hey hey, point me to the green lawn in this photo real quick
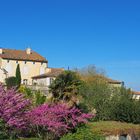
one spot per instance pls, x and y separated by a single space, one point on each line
107 128
113 128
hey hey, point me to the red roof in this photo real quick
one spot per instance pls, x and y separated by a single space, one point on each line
54 72
21 55
136 92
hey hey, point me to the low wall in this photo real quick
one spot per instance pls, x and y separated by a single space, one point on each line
123 137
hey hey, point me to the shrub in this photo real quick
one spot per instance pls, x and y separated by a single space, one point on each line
37 97
11 82
109 103
96 96
83 133
57 119
65 87
13 108
124 108
28 93
3 130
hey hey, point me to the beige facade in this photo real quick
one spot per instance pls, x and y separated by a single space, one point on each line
28 67
47 78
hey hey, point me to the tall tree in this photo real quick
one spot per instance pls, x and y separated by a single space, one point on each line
65 87
18 75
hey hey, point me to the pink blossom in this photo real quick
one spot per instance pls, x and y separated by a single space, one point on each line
57 118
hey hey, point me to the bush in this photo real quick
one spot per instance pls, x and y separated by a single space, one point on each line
109 103
37 97
3 130
96 96
11 82
124 108
82 134
56 120
13 108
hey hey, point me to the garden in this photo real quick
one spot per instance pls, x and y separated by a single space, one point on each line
83 106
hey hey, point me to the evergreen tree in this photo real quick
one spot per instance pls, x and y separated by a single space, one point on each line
18 75
65 87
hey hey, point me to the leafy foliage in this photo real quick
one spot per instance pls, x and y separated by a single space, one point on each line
37 97
3 130
83 133
13 108
57 119
96 96
18 75
40 98
110 103
65 87
11 82
124 107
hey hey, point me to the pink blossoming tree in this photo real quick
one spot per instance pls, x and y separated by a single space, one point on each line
57 119
13 108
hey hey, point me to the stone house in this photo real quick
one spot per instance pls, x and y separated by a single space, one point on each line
31 64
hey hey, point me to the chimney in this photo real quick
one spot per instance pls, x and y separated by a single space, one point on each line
48 70
0 50
28 50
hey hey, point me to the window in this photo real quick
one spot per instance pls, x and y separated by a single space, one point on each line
33 62
9 68
25 81
8 61
25 70
25 62
17 62
51 80
42 70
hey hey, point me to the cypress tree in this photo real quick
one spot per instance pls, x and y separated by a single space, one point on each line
18 75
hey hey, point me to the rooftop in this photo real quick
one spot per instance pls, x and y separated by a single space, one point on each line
54 72
21 55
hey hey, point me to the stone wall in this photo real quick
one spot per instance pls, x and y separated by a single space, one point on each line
123 137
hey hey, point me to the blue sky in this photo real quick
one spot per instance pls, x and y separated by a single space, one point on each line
77 33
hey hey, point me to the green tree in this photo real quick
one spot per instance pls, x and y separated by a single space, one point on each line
11 82
96 96
37 97
66 87
18 75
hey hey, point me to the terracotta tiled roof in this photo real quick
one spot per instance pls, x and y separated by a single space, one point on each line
136 92
111 81
21 55
54 72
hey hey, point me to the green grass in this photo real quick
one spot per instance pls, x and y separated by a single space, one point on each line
29 139
114 128
107 128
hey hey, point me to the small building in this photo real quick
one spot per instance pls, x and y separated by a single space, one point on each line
136 95
115 83
47 78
